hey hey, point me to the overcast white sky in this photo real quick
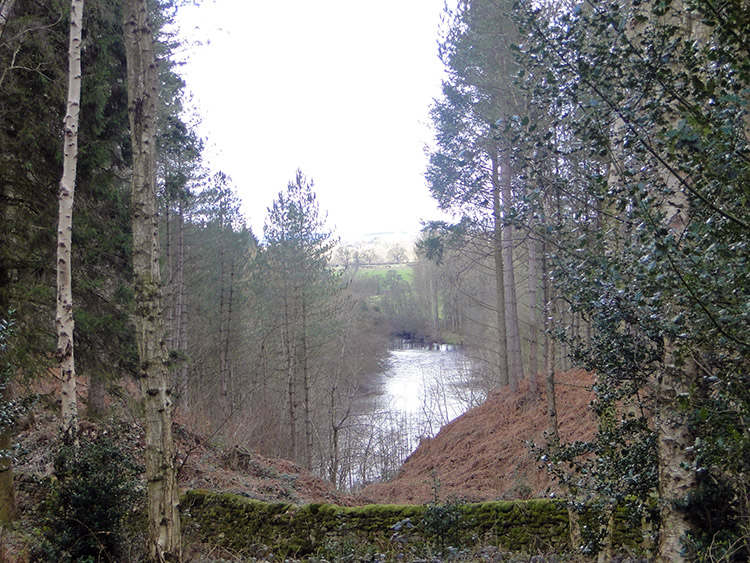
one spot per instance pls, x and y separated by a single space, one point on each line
338 88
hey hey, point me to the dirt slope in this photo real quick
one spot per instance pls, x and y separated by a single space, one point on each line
481 455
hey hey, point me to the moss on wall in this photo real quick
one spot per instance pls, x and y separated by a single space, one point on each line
251 527
247 526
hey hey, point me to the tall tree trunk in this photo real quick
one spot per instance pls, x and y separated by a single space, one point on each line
228 338
287 346
64 316
549 384
306 387
223 366
5 8
515 362
548 343
533 312
675 441
553 435
497 254
164 541
169 291
181 309
675 436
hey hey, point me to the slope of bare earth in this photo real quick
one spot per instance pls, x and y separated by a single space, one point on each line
482 455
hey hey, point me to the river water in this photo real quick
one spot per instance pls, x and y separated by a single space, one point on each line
418 392
429 387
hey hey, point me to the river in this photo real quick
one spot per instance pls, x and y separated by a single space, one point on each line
428 386
420 390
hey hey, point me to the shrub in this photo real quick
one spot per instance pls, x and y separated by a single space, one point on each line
95 490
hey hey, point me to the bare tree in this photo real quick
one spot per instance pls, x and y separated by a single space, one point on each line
164 540
64 315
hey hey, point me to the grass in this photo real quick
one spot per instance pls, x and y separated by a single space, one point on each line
405 271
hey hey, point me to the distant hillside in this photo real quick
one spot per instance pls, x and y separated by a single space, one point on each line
481 455
377 248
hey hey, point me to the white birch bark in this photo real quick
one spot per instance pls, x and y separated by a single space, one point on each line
64 311
5 8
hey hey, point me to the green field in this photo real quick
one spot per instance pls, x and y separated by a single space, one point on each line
403 270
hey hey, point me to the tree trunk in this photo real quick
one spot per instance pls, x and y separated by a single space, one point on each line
553 436
549 369
8 509
169 291
64 317
497 243
515 362
5 8
223 365
675 441
181 310
286 343
306 387
164 541
97 396
533 316
675 437
228 339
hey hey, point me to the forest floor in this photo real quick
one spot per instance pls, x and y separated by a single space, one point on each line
481 455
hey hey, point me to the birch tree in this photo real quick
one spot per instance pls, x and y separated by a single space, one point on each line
164 541
64 316
5 8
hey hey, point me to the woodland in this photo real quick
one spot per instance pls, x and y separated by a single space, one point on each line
595 158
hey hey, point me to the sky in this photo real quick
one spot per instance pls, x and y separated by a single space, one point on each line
340 89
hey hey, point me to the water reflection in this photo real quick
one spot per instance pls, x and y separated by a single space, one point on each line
426 387
420 390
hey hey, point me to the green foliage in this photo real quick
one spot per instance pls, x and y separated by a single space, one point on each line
33 61
406 273
442 523
646 122
94 492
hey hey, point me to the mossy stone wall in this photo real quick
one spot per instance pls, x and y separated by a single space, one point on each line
250 527
244 525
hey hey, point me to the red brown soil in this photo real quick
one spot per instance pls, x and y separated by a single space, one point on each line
482 455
